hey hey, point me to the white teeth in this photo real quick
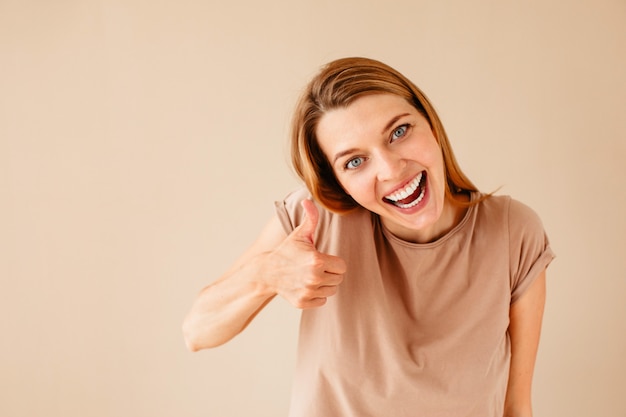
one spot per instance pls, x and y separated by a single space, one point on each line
413 203
407 191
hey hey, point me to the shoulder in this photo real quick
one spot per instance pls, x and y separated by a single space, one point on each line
331 226
528 244
514 221
523 222
512 211
290 212
521 213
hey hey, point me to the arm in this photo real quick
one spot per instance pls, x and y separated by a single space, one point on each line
225 307
277 263
525 327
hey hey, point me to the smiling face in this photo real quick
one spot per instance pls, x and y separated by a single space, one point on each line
385 156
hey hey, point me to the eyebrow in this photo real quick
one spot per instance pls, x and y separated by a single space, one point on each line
388 126
393 122
343 153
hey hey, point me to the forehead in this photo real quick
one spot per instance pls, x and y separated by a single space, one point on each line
367 116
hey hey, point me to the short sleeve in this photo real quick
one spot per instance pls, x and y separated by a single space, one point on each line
529 248
290 211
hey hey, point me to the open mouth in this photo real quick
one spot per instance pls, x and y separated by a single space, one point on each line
409 196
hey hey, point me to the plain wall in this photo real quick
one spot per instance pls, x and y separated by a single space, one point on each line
142 144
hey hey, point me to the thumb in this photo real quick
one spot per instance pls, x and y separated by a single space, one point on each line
307 228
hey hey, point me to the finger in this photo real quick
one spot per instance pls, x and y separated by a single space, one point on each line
331 279
315 302
334 264
326 291
307 229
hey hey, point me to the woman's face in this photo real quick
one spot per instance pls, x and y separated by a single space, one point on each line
386 157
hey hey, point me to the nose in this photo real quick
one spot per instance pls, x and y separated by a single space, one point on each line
389 165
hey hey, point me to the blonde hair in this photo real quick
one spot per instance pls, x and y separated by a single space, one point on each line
338 84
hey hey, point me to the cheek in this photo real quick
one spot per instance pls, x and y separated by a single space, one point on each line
359 187
347 185
431 157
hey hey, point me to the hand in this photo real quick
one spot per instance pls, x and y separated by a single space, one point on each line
299 272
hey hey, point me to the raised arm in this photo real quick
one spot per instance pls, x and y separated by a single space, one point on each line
525 327
277 263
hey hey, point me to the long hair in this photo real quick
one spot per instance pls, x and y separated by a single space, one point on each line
338 84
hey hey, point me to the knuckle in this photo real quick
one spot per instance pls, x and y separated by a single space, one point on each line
303 297
312 281
299 302
317 262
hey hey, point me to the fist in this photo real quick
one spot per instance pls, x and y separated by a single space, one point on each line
303 275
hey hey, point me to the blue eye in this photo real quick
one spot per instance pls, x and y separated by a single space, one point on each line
354 163
399 132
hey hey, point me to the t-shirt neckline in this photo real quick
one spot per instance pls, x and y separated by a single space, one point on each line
440 241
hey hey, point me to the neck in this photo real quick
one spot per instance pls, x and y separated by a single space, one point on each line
453 213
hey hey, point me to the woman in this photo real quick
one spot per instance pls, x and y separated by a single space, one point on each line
421 295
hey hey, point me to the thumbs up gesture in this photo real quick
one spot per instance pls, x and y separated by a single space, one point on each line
301 274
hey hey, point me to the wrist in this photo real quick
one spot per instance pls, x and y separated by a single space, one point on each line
262 273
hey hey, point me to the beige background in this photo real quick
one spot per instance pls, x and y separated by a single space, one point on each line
142 144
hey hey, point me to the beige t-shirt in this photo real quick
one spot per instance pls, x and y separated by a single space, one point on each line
415 329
